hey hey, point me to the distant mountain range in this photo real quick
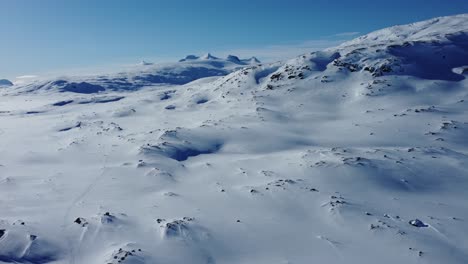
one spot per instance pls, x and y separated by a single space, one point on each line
143 75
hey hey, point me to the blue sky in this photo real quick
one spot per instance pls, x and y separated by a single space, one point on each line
59 35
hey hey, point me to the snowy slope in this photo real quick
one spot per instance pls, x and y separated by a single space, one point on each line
355 154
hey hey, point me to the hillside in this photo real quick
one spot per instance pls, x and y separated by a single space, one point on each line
354 154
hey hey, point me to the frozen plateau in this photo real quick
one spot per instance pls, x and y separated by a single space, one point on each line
353 154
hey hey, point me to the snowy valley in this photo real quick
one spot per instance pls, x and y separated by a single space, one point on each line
353 154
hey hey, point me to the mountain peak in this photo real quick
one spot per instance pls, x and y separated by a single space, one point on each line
208 56
189 57
233 58
254 60
230 58
5 82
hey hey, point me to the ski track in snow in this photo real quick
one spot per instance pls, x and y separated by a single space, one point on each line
79 198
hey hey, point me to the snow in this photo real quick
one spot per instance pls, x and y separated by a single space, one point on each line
189 57
348 155
5 82
437 29
140 76
208 56
233 58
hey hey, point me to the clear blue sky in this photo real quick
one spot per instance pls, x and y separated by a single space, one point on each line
46 35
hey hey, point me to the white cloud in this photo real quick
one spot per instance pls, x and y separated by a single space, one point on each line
25 79
287 51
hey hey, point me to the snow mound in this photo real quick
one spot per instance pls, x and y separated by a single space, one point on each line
181 144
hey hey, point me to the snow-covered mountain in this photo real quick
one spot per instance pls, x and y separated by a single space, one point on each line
5 82
354 154
143 75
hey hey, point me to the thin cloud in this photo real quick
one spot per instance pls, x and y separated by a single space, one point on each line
25 79
288 51
346 34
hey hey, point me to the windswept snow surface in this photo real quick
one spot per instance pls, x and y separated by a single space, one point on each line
356 154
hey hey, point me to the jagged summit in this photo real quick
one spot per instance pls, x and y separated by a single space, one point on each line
250 61
208 56
254 60
230 58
